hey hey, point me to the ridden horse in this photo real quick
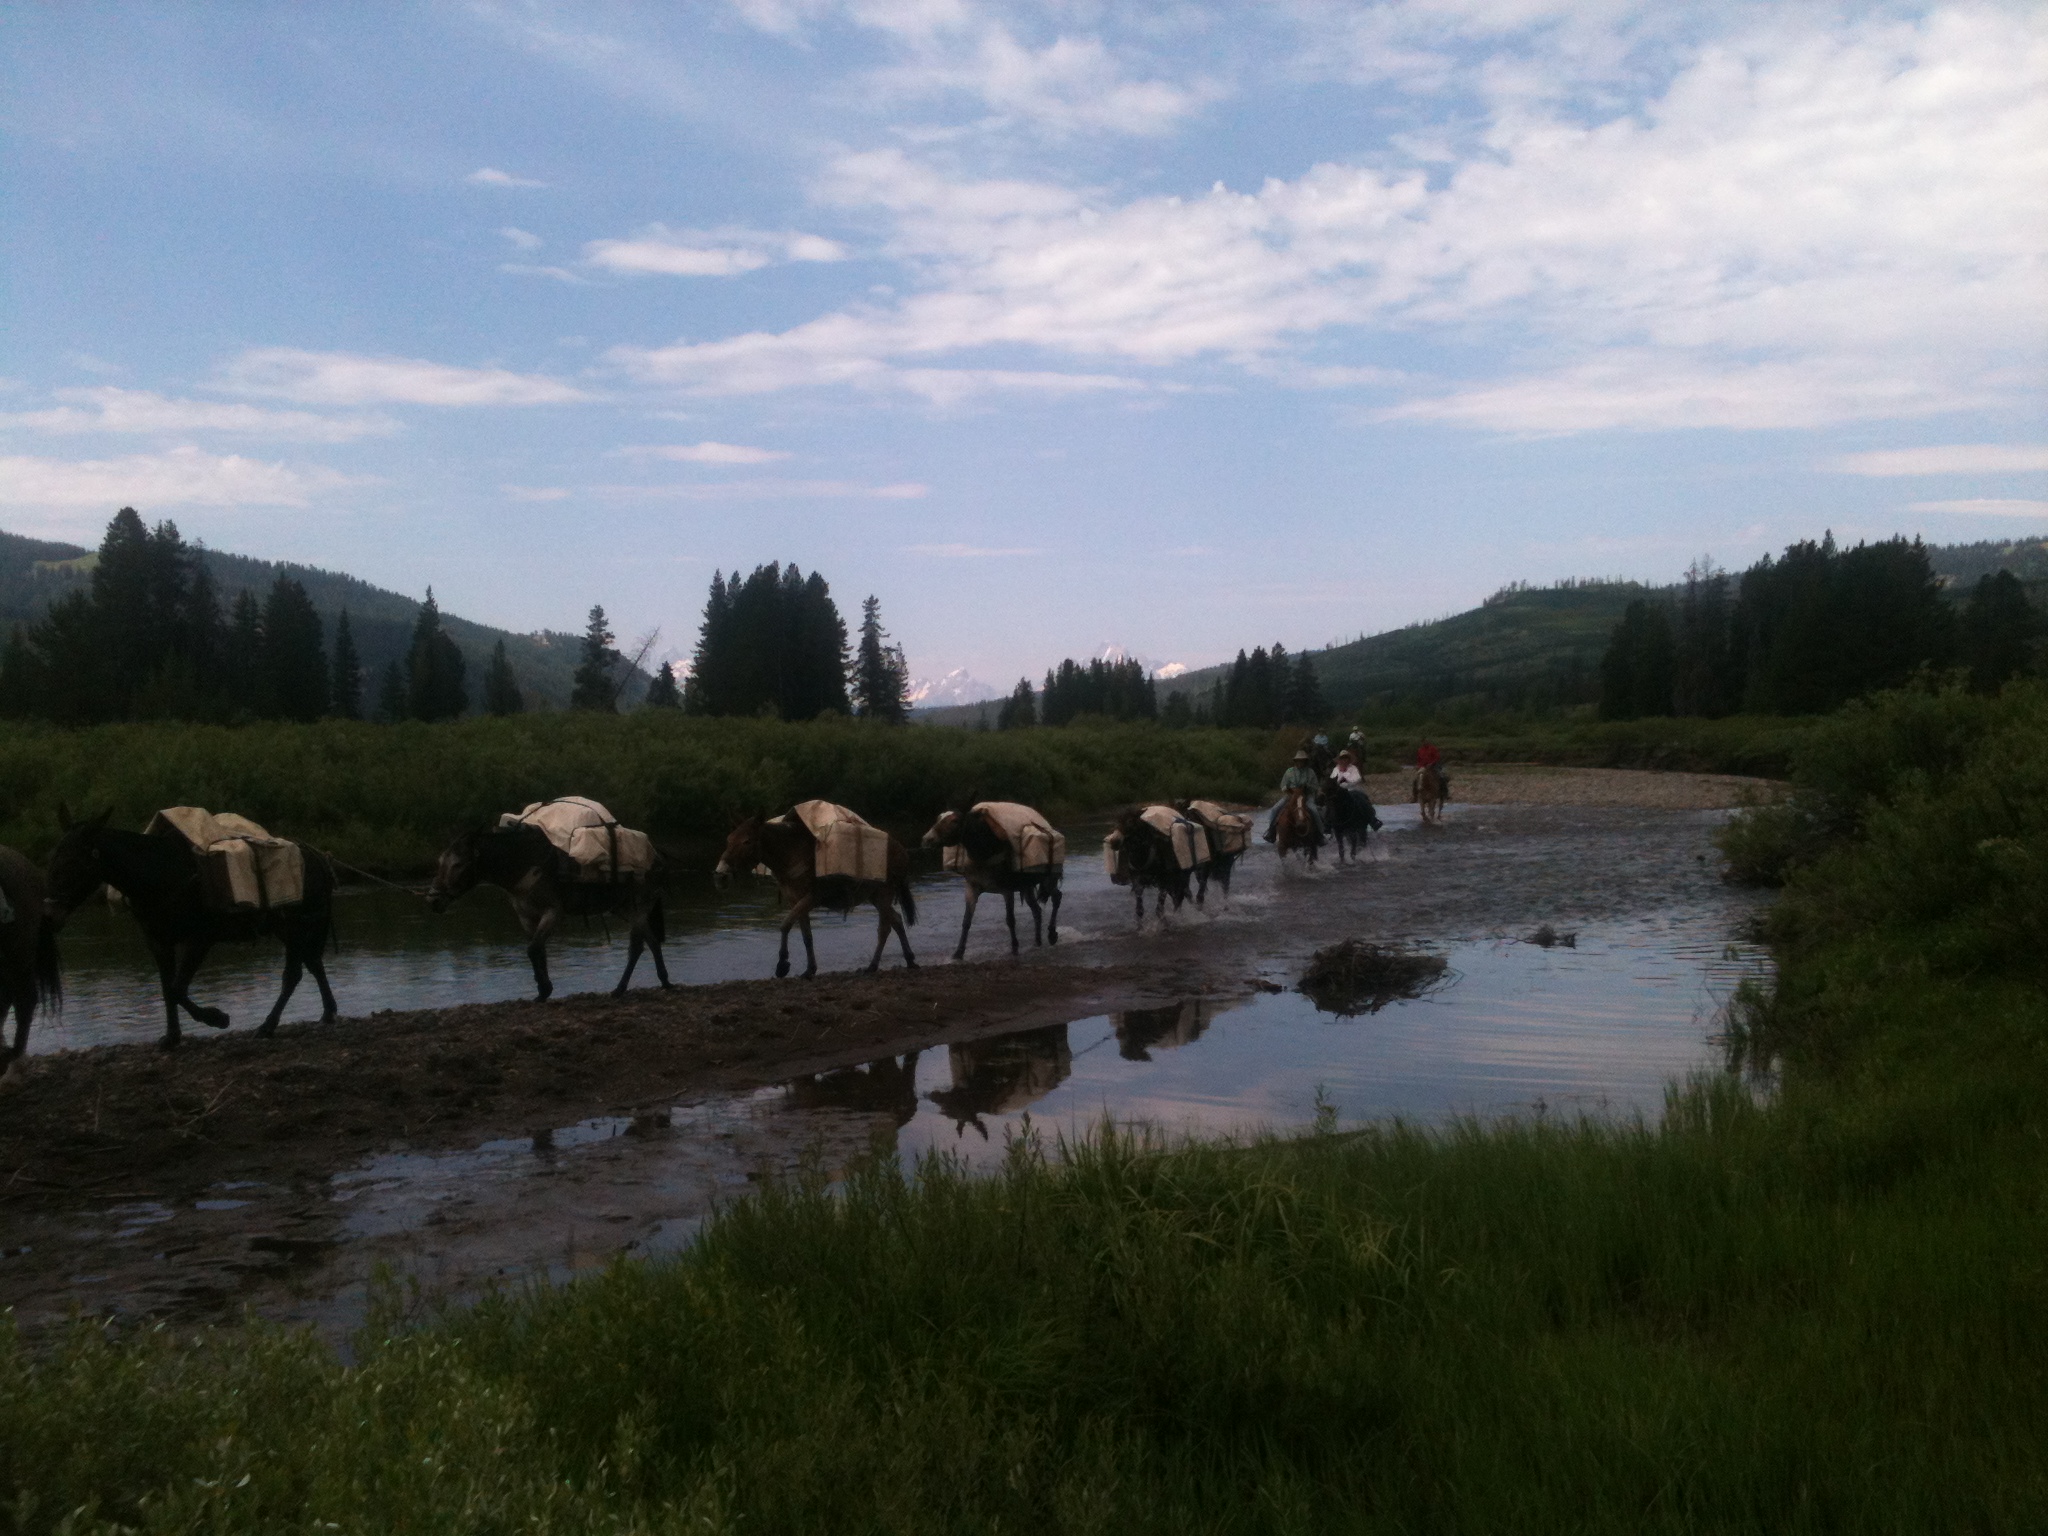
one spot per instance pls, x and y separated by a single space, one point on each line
1295 826
1150 862
992 866
1350 816
541 880
789 850
1429 793
1220 865
28 954
159 874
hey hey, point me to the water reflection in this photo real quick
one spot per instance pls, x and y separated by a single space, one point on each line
1140 1030
1003 1076
885 1087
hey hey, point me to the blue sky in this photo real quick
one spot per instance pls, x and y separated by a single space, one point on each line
1054 326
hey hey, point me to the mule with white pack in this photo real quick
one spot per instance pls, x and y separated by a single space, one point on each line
561 858
1000 846
823 855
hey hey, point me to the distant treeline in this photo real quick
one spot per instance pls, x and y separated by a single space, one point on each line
148 638
773 644
1807 632
1260 691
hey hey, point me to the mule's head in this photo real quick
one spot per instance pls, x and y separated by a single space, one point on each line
742 851
945 831
456 873
76 867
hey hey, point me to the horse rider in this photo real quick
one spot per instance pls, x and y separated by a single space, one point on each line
1350 778
1300 775
1427 756
1356 741
1318 748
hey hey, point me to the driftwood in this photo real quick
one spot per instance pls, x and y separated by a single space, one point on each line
1355 977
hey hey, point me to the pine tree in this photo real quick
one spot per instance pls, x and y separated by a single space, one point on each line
596 687
1636 673
1019 710
345 686
1998 630
1305 703
772 641
662 693
434 687
501 688
879 683
241 670
294 660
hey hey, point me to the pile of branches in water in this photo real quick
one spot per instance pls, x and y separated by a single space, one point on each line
1355 977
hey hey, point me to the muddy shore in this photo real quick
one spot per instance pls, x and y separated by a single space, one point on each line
88 1135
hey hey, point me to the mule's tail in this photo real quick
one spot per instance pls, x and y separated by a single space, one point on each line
905 898
49 974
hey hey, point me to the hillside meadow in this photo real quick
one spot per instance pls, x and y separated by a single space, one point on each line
1811 1298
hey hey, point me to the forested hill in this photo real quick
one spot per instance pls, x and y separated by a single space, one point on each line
33 573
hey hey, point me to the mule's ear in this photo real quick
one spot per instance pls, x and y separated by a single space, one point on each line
103 818
63 817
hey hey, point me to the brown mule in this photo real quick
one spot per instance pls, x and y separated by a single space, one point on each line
1296 827
785 845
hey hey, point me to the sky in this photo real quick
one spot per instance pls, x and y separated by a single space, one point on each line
1056 326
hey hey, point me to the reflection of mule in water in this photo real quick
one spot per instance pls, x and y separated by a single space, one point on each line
1003 1075
1431 791
988 861
1351 817
887 1087
1295 826
1140 1030
29 977
1155 848
160 875
789 850
1230 837
544 886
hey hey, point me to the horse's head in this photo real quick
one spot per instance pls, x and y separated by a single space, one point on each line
945 832
742 851
457 872
76 867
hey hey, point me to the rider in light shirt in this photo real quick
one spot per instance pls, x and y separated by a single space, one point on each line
1300 775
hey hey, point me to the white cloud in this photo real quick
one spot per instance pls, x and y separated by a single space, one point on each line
535 492
522 239
1814 220
559 274
660 251
1950 459
344 378
136 411
1984 506
706 453
491 176
764 490
178 477
965 551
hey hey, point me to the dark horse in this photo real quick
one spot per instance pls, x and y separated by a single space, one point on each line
1149 863
1295 826
159 875
1350 816
1221 865
28 954
789 850
541 880
991 865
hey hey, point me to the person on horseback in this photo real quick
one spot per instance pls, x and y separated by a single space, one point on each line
1350 778
1427 756
1300 775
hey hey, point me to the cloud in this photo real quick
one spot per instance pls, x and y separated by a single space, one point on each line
706 453
559 274
178 477
343 378
764 490
490 176
535 492
965 551
110 409
1812 220
522 239
1984 506
1952 459
659 251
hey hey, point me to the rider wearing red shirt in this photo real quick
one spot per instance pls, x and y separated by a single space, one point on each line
1427 756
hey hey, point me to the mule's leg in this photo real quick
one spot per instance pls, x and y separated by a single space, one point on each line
902 936
1030 895
884 910
167 980
782 955
328 1007
636 940
1201 885
1052 933
1138 893
657 930
803 923
24 1010
967 921
294 966
537 931
191 957
1010 916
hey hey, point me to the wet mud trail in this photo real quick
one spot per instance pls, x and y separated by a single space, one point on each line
488 1143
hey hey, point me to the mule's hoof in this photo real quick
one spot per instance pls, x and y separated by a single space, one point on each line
782 968
213 1018
909 964
619 990
168 1043
329 1016
267 1028
960 954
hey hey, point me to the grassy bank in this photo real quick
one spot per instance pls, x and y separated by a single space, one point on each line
1824 1313
386 797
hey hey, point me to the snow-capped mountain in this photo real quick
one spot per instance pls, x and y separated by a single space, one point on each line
957 687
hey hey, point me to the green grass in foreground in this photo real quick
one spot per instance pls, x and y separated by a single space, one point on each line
1827 1313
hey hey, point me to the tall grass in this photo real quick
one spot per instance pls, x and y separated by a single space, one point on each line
1824 1312
387 796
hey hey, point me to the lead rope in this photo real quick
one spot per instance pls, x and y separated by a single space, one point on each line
410 890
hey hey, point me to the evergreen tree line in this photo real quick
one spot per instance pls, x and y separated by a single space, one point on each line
1265 689
1805 633
773 643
